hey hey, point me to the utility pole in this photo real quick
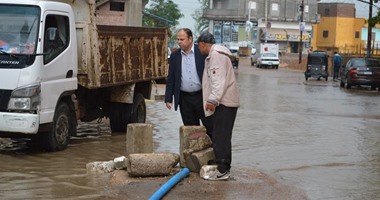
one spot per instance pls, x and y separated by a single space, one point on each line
369 36
266 20
301 24
249 24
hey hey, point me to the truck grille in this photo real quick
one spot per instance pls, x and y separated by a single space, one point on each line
4 99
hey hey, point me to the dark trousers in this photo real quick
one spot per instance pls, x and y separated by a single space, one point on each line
191 108
336 72
224 119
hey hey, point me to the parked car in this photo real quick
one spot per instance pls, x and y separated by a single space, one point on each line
317 65
235 56
360 71
268 60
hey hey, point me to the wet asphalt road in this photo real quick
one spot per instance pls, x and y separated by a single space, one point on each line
312 135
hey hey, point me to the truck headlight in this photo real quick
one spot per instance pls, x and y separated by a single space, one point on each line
27 98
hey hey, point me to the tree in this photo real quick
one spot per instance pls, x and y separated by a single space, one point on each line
374 20
167 10
201 24
164 11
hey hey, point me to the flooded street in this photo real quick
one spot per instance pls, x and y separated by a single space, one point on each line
312 135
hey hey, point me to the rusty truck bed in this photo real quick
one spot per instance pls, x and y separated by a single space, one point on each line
122 55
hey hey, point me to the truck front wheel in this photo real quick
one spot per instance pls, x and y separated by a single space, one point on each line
58 137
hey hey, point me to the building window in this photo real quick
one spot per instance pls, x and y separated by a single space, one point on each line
325 34
252 5
327 12
117 6
274 6
275 10
357 34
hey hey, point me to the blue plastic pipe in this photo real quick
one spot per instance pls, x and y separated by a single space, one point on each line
170 184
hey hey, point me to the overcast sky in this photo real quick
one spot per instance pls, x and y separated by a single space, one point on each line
188 7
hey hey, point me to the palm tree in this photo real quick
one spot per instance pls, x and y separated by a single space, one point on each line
201 24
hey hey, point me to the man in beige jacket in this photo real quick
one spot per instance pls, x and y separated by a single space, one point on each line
220 100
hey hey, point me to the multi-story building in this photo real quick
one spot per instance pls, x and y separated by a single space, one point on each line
339 30
272 21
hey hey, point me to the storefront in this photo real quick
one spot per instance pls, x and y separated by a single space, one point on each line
227 31
288 39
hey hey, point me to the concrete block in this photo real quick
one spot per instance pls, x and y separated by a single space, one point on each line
100 167
196 160
120 162
207 170
139 138
192 138
151 164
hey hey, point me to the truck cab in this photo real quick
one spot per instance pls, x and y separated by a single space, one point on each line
37 66
58 65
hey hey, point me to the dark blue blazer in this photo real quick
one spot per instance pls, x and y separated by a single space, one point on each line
173 82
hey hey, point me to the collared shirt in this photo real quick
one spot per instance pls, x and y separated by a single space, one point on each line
189 78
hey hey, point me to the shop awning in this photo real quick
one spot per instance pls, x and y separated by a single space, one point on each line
292 35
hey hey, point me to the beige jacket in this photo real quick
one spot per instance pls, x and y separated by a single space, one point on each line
218 81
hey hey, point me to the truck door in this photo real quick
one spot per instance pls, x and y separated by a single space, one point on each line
58 71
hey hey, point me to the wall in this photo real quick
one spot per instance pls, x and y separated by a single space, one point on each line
337 10
107 17
131 16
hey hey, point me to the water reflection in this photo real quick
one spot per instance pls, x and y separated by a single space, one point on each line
310 134
314 135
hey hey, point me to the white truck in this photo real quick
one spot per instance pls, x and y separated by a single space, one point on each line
59 64
269 48
268 56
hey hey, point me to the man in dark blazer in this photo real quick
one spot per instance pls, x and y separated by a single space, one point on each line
184 81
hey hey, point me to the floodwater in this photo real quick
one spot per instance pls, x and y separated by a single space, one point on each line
312 134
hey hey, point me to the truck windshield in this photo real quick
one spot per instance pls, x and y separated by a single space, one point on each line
18 29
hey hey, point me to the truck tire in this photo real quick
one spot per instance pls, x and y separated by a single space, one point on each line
120 116
139 109
62 127
123 113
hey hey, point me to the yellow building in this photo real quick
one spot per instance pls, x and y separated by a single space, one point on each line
338 29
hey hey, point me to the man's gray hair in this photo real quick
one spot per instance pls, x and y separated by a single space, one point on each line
206 37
